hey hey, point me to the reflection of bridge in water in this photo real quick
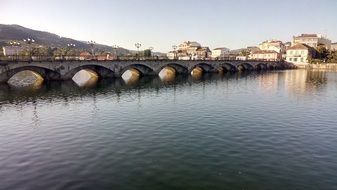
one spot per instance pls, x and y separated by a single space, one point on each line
68 90
110 69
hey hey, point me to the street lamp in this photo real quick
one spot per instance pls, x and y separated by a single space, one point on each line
174 51
70 46
92 45
115 47
138 45
150 48
29 41
15 44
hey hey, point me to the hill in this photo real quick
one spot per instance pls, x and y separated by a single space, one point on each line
18 33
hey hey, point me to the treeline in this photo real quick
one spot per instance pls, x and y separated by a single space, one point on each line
323 55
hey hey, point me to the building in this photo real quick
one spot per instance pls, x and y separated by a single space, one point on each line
220 53
287 45
171 55
106 56
300 54
189 51
265 55
11 50
241 58
203 53
85 56
273 45
333 47
312 40
188 45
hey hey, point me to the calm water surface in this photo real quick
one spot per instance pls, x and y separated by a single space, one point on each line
275 130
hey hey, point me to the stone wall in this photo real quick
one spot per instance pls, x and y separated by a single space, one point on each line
323 66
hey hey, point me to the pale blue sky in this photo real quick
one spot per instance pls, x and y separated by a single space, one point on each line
163 23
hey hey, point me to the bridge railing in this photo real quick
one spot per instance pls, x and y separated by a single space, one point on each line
119 58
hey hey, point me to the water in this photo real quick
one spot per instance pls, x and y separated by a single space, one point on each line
275 130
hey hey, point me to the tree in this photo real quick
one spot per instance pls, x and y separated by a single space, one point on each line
59 52
322 53
147 53
245 52
40 51
332 57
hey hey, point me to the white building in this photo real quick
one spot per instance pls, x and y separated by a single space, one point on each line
273 45
299 54
241 58
312 40
11 50
171 55
188 45
219 53
265 55
190 51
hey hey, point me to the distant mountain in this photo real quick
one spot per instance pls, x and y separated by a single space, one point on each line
18 33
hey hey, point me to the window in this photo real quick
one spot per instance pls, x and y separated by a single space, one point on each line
302 60
291 52
295 59
290 59
302 52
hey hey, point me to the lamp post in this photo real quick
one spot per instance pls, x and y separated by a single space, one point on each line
174 51
70 46
115 47
138 45
151 48
29 41
15 44
92 45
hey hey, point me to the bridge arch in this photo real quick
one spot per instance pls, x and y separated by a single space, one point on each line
179 69
226 67
261 66
244 67
271 66
101 71
204 66
45 73
141 68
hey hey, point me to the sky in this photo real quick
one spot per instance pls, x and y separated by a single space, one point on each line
163 23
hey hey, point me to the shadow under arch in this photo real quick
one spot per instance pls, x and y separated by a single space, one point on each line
261 66
244 67
142 69
207 68
226 67
101 71
45 73
179 69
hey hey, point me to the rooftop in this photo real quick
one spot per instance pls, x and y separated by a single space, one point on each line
299 46
222 48
308 35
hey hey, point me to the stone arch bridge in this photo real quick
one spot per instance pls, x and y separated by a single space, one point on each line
65 70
